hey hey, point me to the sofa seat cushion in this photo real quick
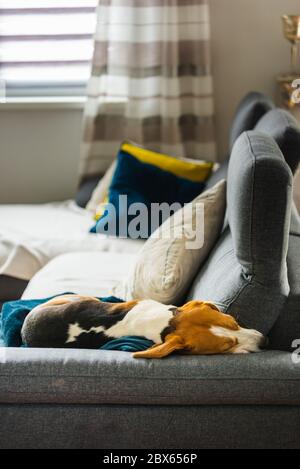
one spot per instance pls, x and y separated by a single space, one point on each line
84 273
32 235
287 327
59 376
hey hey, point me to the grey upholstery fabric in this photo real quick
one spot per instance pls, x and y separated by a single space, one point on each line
11 288
246 274
221 278
57 376
259 180
86 189
287 328
295 221
285 130
148 427
249 112
218 175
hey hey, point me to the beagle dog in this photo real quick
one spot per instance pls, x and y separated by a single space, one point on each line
198 327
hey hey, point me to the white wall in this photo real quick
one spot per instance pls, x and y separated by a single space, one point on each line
39 150
248 52
39 154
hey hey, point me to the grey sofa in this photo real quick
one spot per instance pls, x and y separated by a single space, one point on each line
92 399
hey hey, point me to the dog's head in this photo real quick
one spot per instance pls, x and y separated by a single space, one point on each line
199 328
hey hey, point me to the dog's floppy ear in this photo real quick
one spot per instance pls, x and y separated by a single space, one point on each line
172 343
196 304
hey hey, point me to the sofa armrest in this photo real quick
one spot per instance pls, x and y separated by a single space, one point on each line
259 198
246 272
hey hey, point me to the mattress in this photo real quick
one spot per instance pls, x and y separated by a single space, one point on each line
32 235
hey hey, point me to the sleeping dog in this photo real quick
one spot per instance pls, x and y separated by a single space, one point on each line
198 328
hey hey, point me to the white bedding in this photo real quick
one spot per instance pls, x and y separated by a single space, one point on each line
32 235
84 273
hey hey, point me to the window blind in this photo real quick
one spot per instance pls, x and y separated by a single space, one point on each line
46 46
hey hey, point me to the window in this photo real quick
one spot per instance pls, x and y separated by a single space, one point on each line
46 46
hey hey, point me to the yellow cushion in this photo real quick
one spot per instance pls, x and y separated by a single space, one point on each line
196 171
101 209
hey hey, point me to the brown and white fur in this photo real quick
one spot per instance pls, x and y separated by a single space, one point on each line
198 327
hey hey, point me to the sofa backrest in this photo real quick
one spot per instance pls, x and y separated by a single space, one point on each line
250 110
279 124
285 130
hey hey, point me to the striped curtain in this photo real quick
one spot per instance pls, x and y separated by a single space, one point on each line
151 81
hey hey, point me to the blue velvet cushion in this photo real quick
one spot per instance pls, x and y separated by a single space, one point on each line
146 184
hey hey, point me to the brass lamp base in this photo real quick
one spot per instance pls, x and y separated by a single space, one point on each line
291 29
287 90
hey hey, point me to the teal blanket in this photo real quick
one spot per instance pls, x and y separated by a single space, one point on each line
14 314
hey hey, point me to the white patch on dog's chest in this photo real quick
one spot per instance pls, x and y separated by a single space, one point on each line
147 319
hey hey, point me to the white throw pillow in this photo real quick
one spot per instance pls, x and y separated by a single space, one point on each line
171 257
